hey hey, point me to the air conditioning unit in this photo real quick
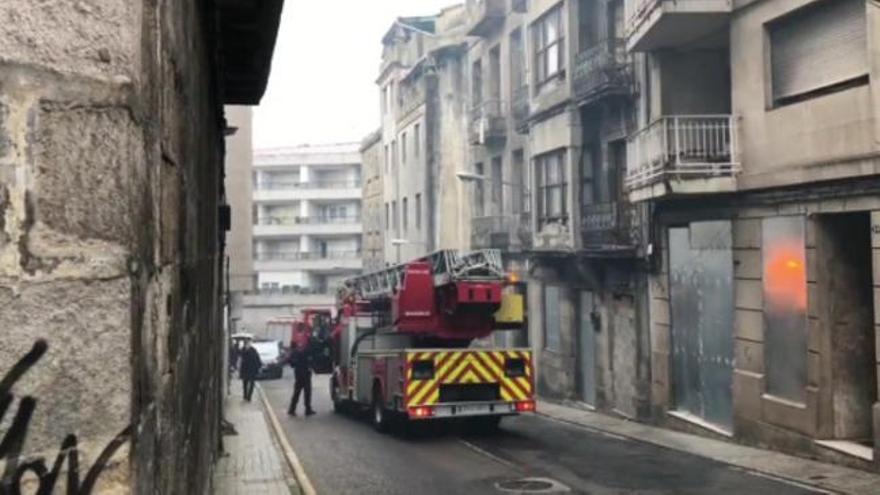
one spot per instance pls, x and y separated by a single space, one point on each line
520 6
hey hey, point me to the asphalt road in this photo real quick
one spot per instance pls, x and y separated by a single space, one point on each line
343 455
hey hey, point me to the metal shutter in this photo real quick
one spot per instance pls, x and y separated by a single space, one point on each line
822 45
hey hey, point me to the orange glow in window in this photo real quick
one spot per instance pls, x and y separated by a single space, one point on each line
785 277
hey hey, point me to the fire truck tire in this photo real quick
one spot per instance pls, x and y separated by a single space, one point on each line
338 403
379 415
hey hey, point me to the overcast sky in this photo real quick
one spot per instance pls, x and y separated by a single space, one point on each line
322 89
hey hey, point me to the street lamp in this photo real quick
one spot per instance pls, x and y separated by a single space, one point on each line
469 177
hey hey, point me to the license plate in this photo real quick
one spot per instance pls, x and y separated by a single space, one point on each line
474 409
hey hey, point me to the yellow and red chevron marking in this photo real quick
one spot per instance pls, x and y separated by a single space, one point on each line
467 367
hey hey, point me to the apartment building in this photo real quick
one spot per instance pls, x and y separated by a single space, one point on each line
307 228
424 106
758 149
373 201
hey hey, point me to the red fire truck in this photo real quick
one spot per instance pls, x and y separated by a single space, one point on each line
402 343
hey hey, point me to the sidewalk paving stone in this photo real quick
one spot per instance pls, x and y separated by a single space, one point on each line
254 464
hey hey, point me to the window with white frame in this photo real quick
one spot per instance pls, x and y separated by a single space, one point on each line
548 43
551 187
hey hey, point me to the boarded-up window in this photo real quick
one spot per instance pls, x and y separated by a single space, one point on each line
819 48
552 319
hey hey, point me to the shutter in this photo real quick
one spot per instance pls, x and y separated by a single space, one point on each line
821 46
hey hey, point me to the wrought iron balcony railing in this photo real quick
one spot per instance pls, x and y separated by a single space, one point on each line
506 232
610 227
602 69
488 122
683 147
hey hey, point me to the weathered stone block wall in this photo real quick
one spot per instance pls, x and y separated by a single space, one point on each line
110 175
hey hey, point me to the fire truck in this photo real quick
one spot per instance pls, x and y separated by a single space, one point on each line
402 343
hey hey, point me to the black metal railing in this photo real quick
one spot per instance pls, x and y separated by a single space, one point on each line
602 68
488 121
610 226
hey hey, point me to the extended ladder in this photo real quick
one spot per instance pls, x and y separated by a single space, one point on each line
447 266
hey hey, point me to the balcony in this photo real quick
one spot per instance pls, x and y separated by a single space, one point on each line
488 123
485 16
601 70
280 192
682 155
287 226
654 24
519 108
505 232
610 229
331 261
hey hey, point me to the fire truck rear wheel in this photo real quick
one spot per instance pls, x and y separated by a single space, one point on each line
380 417
338 404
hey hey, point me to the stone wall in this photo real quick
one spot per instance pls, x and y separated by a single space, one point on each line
110 177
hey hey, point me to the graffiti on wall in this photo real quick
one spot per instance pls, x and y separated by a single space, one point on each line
19 468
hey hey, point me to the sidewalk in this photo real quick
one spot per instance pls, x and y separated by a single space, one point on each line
804 471
255 463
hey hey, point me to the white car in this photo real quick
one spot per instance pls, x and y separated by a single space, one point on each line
270 354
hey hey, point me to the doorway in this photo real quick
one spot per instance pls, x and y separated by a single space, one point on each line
702 306
587 347
845 278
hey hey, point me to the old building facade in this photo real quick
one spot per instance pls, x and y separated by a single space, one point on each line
694 193
423 127
758 150
112 227
372 202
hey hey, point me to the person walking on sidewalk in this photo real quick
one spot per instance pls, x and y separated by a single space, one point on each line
249 369
300 360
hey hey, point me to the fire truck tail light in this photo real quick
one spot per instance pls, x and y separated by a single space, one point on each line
421 412
525 406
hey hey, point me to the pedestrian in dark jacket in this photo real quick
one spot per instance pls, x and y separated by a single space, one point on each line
249 369
300 360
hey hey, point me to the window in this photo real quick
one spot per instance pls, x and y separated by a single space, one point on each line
495 73
417 140
517 54
549 43
477 83
479 193
403 149
405 208
387 160
387 217
519 173
818 49
394 154
497 186
418 211
552 320
395 217
552 188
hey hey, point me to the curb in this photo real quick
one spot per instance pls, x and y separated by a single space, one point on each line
305 484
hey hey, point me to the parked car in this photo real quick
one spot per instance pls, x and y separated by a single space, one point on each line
270 354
